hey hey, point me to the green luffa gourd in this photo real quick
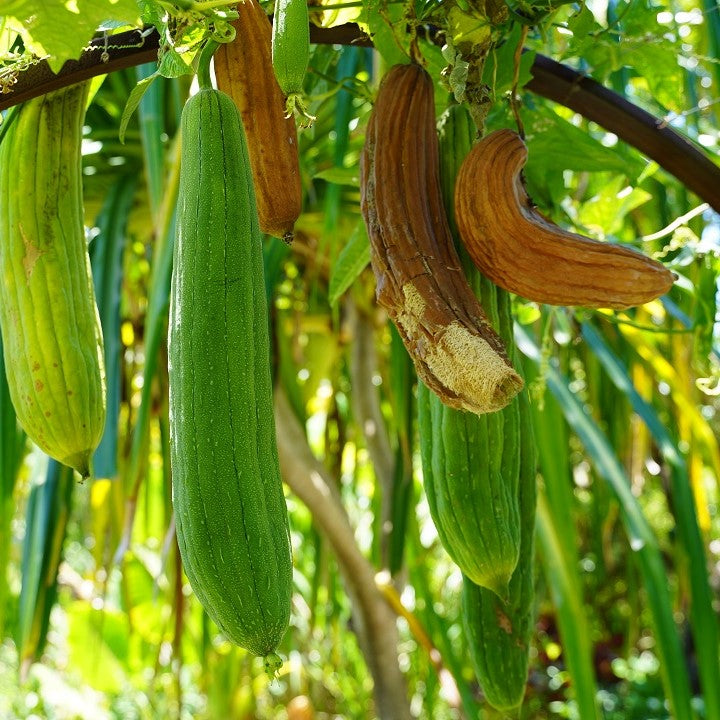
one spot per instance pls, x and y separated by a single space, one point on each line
480 477
470 462
499 634
52 341
230 510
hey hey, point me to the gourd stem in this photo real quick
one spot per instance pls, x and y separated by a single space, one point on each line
203 68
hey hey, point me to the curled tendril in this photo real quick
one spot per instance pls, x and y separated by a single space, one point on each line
222 31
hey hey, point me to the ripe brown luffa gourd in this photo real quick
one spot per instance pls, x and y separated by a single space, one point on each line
244 70
52 341
419 278
521 251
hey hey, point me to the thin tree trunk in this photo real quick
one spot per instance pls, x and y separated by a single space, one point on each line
367 412
309 480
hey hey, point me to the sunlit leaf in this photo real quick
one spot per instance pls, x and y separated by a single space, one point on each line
353 259
41 20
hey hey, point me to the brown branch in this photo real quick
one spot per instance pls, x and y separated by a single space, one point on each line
632 124
552 80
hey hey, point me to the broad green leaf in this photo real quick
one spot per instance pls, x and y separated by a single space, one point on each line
605 213
140 583
468 30
352 260
98 645
382 21
172 65
526 313
148 620
553 142
639 18
582 23
62 29
658 64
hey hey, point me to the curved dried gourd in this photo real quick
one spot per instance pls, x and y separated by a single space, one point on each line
524 253
419 278
244 70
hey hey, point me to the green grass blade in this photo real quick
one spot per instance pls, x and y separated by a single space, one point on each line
673 668
703 619
155 319
152 125
558 540
12 445
346 66
559 564
47 515
106 260
437 626
402 379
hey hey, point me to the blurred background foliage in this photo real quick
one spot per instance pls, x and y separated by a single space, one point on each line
96 618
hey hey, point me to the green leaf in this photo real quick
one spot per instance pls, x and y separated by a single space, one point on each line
133 101
379 18
98 645
640 18
107 269
705 309
703 619
172 65
605 213
658 64
46 520
582 23
555 143
62 29
12 447
559 563
340 176
352 260
526 313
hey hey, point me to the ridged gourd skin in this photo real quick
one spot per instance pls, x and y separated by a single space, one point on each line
499 635
290 44
244 71
470 462
420 281
523 252
52 340
230 512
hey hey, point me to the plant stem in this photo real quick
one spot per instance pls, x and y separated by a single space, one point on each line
203 66
211 4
